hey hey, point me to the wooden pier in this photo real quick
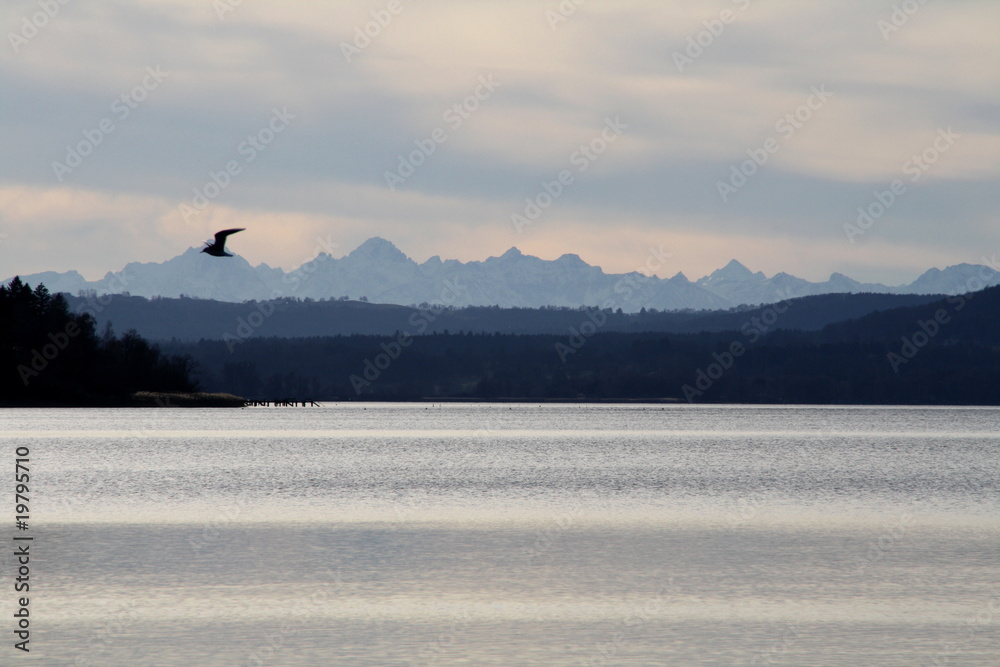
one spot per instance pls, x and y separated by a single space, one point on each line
281 404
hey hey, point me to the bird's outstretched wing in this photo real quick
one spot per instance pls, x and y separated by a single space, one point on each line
220 237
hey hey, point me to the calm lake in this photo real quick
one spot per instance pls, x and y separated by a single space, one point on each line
496 534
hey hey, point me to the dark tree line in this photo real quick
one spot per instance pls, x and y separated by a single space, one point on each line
286 317
50 356
946 352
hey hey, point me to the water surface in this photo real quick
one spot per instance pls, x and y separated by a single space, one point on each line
391 534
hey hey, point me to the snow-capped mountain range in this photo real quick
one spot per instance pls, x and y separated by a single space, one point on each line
380 272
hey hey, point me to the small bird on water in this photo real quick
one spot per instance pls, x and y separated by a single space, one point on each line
218 248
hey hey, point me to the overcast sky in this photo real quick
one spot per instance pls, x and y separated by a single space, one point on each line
745 129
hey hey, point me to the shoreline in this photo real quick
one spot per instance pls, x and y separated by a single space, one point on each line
143 399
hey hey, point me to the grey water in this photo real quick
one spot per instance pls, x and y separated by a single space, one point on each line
499 534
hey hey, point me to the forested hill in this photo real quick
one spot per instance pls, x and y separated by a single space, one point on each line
943 352
967 319
51 356
194 319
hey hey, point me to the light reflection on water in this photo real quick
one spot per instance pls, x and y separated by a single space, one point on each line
525 534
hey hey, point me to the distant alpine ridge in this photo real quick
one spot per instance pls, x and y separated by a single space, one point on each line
378 271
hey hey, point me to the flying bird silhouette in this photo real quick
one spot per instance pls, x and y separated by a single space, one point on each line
218 248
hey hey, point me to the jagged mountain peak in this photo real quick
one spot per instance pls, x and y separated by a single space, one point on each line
839 279
572 259
378 249
955 279
513 253
733 271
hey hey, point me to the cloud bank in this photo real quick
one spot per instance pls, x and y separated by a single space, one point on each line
762 131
